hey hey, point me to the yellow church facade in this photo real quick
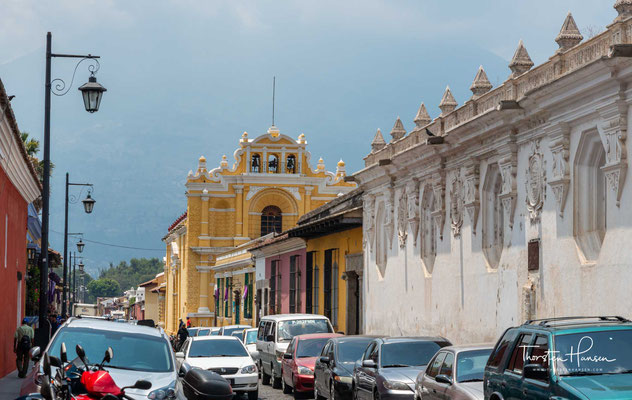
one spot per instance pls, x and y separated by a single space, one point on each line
209 272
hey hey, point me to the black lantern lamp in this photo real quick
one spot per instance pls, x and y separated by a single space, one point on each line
80 246
88 204
92 92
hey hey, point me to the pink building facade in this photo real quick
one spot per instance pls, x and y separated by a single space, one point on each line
284 289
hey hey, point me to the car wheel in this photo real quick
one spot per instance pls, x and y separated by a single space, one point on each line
265 378
254 395
376 394
276 381
286 389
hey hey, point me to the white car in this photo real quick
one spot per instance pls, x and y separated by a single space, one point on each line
225 355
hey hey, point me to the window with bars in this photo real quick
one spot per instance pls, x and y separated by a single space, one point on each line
327 284
273 281
315 305
309 266
271 220
292 285
249 296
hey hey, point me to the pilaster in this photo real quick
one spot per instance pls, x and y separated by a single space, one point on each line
560 174
239 210
614 133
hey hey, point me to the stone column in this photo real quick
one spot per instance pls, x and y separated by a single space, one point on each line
204 219
204 271
239 210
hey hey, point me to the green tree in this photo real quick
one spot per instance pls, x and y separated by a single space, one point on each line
104 287
131 274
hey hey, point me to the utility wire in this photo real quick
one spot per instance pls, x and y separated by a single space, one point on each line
114 245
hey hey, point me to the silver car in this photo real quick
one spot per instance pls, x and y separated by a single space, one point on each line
455 372
140 352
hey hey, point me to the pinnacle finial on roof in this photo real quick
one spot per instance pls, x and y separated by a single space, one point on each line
448 103
624 8
481 84
398 130
422 118
521 62
378 141
569 35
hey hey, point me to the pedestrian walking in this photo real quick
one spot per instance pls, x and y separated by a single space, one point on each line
22 343
183 335
188 322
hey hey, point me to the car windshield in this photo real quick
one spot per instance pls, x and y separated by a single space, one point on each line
351 351
251 337
230 331
192 331
132 351
407 354
295 327
310 347
217 348
204 332
215 332
470 366
593 353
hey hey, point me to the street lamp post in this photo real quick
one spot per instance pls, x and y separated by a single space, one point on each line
93 92
88 204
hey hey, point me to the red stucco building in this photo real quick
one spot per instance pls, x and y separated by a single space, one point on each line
19 186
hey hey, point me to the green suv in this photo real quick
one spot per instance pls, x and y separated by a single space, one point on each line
562 358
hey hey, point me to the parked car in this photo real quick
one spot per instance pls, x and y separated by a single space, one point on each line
228 330
238 334
193 331
389 367
297 367
140 352
208 332
455 372
224 355
249 339
563 358
274 335
333 371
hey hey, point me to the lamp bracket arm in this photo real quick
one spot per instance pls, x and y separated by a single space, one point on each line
59 87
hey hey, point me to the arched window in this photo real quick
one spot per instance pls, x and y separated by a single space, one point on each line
271 220
255 163
589 224
290 164
428 234
273 163
493 218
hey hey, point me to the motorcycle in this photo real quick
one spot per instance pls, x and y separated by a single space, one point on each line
79 380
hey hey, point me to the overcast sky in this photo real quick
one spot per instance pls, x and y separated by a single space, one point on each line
186 77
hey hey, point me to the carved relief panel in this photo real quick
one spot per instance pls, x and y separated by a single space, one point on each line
456 203
438 215
402 218
560 172
614 133
413 209
471 193
535 182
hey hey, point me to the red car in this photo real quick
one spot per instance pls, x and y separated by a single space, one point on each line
297 368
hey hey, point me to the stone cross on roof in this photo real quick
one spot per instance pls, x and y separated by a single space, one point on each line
398 130
448 103
422 118
378 141
481 84
521 62
569 35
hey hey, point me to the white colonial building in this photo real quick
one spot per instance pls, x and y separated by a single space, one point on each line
512 206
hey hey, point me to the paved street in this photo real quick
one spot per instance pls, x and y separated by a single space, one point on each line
267 393
10 386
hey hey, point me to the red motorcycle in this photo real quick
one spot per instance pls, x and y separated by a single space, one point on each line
78 380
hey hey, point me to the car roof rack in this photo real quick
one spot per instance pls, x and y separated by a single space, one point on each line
547 322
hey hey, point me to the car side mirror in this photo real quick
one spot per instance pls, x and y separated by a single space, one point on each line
287 356
369 364
270 338
55 362
142 385
179 354
324 360
35 353
443 379
535 371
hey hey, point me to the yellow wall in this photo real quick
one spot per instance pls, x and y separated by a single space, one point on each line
347 242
